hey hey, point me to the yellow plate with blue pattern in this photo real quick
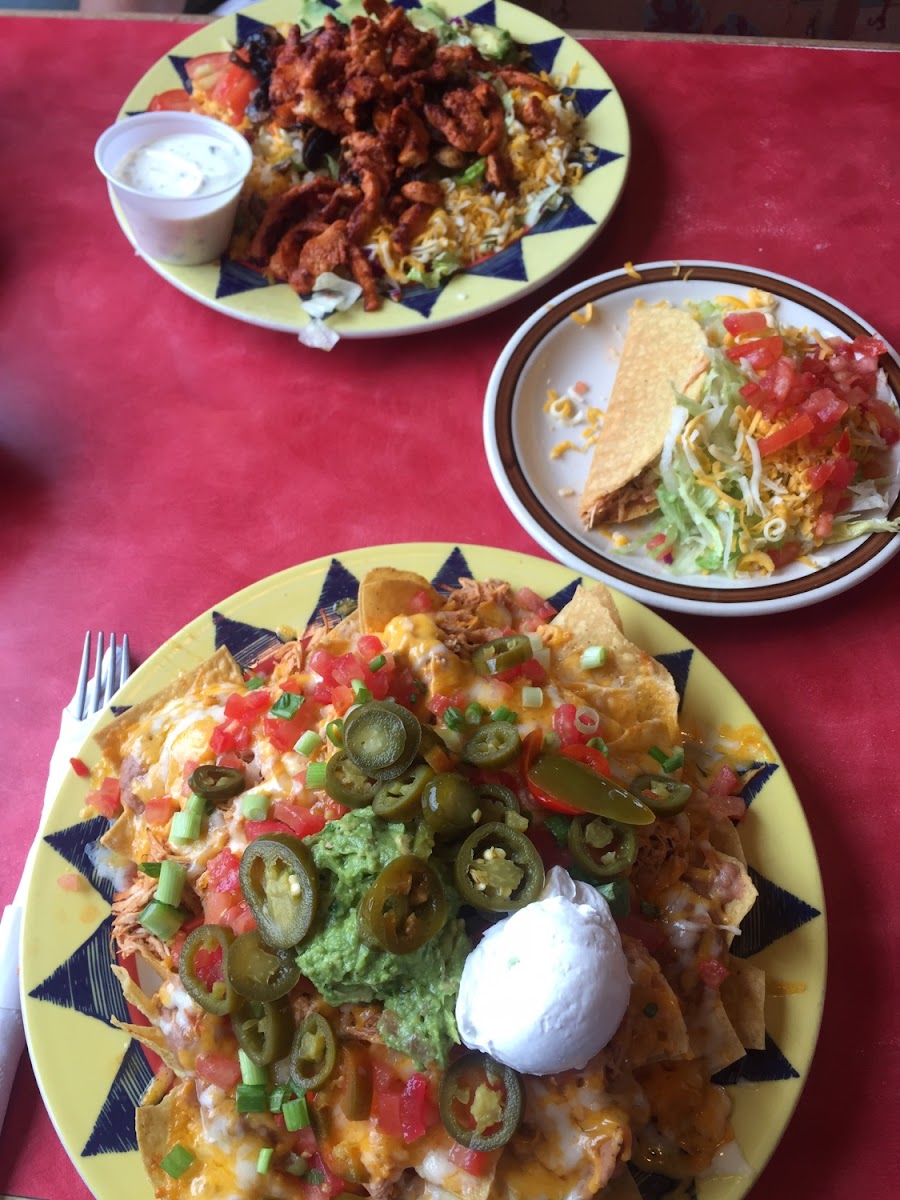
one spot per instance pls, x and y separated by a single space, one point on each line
545 250
92 1076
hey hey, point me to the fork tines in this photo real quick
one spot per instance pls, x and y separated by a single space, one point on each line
104 684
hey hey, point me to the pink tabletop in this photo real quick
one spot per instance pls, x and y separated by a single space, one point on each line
156 456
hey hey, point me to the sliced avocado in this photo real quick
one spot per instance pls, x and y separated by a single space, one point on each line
350 9
430 19
492 42
312 13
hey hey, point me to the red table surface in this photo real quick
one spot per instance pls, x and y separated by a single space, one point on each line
156 456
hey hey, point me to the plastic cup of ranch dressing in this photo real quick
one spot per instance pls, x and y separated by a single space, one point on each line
177 177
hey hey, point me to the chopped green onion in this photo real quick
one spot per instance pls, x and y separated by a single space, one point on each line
251 1074
537 642
334 731
171 883
542 656
196 805
161 919
255 806
251 1098
316 1178
558 826
504 714
254 682
594 656
264 1160
453 717
308 743
376 663
296 1114
176 1162
617 896
676 761
150 868
278 1096
185 828
648 909
532 697
286 706
472 173
295 1164
650 1010
360 691
551 740
597 743
315 776
474 712
660 755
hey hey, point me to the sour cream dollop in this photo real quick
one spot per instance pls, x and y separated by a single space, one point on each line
181 164
547 987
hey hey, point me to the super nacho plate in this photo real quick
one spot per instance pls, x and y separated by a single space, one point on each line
705 950
549 187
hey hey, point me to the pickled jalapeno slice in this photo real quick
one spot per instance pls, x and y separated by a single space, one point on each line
494 745
498 869
203 967
481 1101
263 1029
216 783
347 783
313 1054
281 885
449 805
400 799
259 972
602 847
582 789
503 654
666 797
404 908
375 736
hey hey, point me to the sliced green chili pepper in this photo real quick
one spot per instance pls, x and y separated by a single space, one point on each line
498 869
666 797
404 908
259 972
313 1054
375 736
263 1030
496 800
400 799
356 1072
413 728
449 804
281 886
573 783
604 848
493 745
481 1102
216 783
218 998
346 783
502 654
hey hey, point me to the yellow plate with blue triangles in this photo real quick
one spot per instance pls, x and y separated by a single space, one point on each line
92 1076
543 252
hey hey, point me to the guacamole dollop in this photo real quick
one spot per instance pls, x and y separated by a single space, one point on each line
418 990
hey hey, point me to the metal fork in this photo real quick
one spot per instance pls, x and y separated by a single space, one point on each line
106 683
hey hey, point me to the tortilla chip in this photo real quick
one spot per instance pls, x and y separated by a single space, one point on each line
736 909
712 1036
155 1126
220 668
645 1038
664 352
150 1035
724 837
743 995
385 593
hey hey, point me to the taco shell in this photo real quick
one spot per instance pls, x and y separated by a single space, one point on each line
664 353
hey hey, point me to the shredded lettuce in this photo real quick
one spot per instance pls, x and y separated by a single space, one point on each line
442 266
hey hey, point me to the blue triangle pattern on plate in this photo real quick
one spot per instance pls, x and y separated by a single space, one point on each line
180 62
245 25
235 278
678 664
454 568
544 53
84 981
72 844
758 1066
247 643
776 913
420 299
339 584
118 709
754 786
113 1131
653 1186
507 264
587 99
567 216
600 158
485 14
406 5
560 599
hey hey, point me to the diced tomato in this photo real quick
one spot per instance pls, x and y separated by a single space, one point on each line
246 708
745 322
322 663
438 704
208 965
473 1162
386 1110
534 672
749 390
346 668
159 810
413 1108
725 782
564 725
342 698
233 90
301 821
218 1069
81 769
181 936
369 646
651 933
420 602
255 829
535 603
284 732
782 555
712 972
590 756
175 100
216 904
230 735
223 872
887 418
106 800
824 406
727 808
764 352
823 525
231 759
204 70
818 475
796 428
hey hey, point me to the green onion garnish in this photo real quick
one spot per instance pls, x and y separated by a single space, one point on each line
255 806
474 712
558 826
361 693
597 743
650 1010
532 697
308 743
150 868
278 1096
660 755
196 805
648 909
185 828
251 1074
251 1098
295 1164
676 761
264 1160
334 731
316 1178
161 919
254 682
171 883
296 1114
376 663
315 776
286 706
176 1162
594 656
504 714
551 740
453 717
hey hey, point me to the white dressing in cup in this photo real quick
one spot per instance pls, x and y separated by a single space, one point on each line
177 178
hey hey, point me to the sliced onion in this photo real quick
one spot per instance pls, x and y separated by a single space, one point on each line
587 720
